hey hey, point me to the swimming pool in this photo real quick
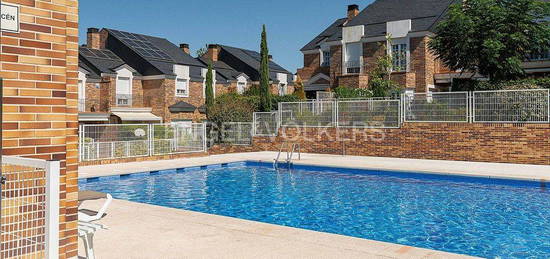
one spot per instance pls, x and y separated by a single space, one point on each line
465 215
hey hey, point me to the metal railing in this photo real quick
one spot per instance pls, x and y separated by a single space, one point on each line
123 100
436 107
29 222
308 114
353 67
369 114
266 123
237 133
526 106
112 141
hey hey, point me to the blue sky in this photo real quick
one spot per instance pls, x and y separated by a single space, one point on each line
290 23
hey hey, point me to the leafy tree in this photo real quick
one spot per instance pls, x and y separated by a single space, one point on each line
265 94
209 90
492 37
380 82
343 92
202 51
299 90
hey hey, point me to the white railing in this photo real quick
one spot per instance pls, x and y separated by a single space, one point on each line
123 100
368 114
266 124
308 114
113 141
30 208
436 107
237 133
514 106
324 95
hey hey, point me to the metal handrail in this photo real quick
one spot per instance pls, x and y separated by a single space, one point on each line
289 153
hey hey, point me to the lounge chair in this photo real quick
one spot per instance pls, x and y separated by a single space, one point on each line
86 231
86 215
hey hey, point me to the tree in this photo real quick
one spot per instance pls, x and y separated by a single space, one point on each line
209 89
380 83
492 37
265 93
202 51
299 90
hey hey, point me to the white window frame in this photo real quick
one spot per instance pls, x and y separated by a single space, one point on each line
348 59
403 45
325 57
178 87
119 91
241 87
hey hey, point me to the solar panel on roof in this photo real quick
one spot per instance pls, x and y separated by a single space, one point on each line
98 53
141 45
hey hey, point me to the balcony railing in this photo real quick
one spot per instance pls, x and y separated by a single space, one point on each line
123 100
353 67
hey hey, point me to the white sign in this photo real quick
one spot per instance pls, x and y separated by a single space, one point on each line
10 18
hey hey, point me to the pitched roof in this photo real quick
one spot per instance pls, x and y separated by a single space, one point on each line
333 31
223 71
159 53
99 61
422 13
252 58
182 107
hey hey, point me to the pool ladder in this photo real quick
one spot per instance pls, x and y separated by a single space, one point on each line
289 154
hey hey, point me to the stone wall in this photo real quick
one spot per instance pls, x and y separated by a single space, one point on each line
39 66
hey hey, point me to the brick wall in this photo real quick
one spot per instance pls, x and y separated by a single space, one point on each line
500 143
93 97
40 68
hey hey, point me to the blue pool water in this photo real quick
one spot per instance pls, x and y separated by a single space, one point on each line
473 216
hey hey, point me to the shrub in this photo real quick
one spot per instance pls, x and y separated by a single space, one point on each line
233 107
347 92
475 85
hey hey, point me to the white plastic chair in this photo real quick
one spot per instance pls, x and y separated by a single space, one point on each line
91 216
86 231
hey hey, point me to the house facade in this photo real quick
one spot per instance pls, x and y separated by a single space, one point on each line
345 52
242 66
132 78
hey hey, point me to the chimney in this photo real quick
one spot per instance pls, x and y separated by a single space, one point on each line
270 57
213 52
353 10
185 48
94 38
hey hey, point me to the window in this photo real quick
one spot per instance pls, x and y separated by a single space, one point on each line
182 88
326 58
241 87
282 89
399 57
123 91
539 56
353 57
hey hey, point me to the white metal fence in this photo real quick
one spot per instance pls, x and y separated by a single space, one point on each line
237 133
112 141
436 107
29 221
368 114
308 114
266 123
528 106
514 106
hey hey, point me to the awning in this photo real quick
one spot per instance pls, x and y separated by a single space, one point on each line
137 116
93 117
182 107
308 88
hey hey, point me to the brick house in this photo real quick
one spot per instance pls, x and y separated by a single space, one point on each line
127 78
346 51
241 64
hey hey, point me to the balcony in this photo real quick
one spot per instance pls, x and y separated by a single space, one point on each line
123 100
353 67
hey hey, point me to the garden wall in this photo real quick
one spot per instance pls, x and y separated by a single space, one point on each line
501 143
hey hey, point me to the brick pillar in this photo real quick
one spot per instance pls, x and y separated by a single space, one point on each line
39 65
335 65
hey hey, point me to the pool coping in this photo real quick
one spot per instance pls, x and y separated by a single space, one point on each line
265 163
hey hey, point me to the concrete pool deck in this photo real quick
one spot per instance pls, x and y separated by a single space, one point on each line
475 169
147 231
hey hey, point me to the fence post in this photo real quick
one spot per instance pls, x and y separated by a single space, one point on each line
548 104
204 139
336 111
52 171
150 139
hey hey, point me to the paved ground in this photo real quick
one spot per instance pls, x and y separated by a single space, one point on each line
510 171
146 231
